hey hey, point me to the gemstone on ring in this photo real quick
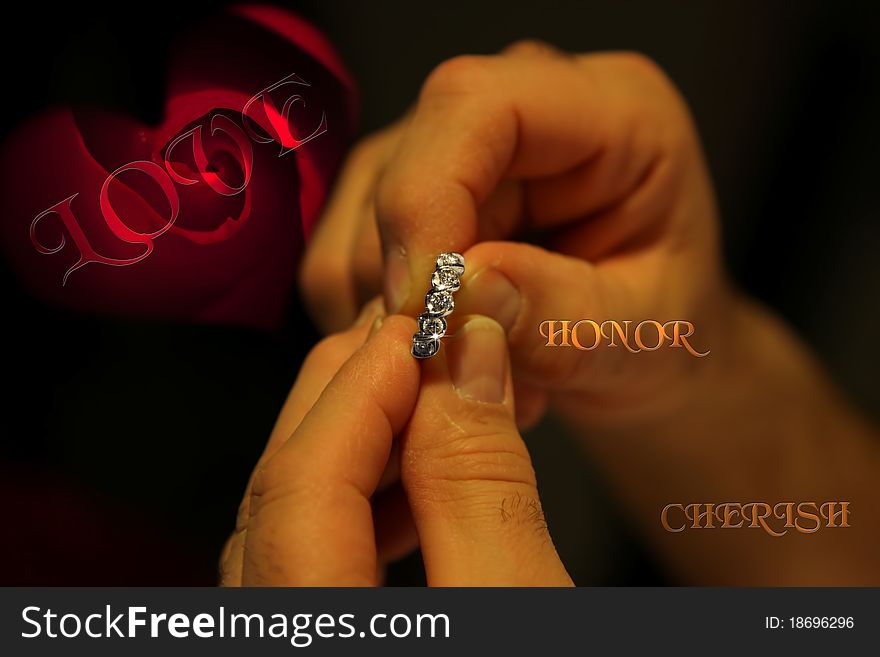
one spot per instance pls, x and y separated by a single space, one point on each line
446 278
425 346
432 325
451 260
439 302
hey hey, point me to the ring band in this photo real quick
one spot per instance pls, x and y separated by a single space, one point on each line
439 303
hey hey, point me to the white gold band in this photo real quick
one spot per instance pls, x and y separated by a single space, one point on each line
439 303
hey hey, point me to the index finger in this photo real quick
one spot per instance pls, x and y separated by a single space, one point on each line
310 520
482 119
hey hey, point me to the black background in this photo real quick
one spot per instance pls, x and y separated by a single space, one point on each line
137 483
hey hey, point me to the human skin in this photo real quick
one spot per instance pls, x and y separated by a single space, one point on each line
595 162
323 507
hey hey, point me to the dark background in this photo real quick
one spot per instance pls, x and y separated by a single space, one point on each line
137 482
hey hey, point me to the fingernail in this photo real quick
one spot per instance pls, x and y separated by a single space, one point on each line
477 358
396 278
369 311
377 324
491 293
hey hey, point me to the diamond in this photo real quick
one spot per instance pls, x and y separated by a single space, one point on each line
439 302
446 279
424 346
433 326
452 260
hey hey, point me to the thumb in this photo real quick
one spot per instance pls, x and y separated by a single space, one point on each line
468 475
522 286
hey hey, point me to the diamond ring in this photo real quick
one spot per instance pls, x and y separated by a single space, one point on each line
439 303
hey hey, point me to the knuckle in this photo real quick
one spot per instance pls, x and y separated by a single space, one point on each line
264 479
523 509
651 76
641 65
244 512
276 478
669 114
470 460
531 48
227 565
461 74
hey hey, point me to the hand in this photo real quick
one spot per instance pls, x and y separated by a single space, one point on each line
325 506
593 156
596 159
